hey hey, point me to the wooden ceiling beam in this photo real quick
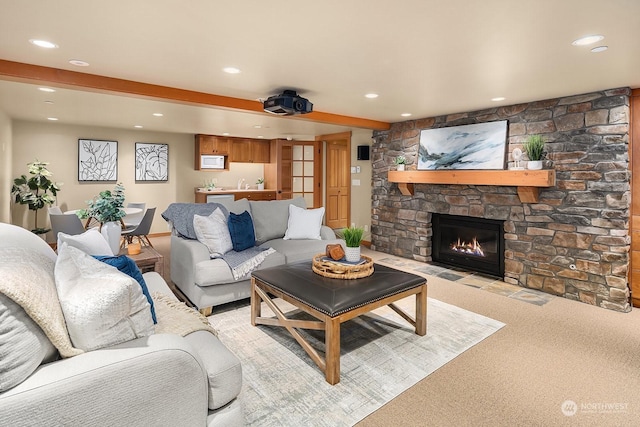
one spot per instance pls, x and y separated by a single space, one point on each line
36 74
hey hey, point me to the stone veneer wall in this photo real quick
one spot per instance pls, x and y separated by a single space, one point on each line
573 243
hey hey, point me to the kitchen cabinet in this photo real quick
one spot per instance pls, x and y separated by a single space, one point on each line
202 196
211 145
247 150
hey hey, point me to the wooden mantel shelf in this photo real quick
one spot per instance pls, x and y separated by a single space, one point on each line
528 182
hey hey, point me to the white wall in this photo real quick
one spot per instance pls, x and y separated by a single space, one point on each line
6 180
57 144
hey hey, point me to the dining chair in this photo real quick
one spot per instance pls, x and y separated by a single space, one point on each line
55 210
68 224
132 220
141 231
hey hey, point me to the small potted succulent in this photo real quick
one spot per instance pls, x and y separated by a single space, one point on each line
352 237
260 183
534 147
401 161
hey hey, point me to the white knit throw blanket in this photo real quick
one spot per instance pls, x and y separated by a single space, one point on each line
174 317
244 262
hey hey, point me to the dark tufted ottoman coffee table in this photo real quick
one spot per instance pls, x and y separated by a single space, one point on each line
333 301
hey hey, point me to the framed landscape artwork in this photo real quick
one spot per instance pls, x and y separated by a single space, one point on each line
476 146
152 162
97 160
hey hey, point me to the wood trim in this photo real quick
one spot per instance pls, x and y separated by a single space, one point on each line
28 73
633 275
528 182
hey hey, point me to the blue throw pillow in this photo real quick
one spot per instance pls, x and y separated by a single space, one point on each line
129 267
241 230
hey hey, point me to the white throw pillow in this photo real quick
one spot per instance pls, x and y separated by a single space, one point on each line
101 306
91 242
304 223
213 232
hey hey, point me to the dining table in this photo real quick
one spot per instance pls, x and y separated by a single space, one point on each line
127 211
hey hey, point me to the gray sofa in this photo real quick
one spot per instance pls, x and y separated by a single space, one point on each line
209 282
158 380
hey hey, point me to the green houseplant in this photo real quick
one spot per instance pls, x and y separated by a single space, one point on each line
400 161
260 183
106 206
353 238
37 191
534 147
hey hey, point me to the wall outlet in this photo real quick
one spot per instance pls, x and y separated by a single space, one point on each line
355 182
366 227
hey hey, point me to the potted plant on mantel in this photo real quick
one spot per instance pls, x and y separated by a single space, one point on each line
352 237
37 192
107 208
534 147
401 161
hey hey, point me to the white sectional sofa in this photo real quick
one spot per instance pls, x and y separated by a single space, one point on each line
157 380
209 282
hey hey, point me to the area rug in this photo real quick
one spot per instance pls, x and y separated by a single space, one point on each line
381 356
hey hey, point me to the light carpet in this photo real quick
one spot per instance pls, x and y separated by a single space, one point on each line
381 356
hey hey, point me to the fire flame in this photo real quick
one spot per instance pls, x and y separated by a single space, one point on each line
469 248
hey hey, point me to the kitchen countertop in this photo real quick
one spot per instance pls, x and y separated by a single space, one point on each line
229 190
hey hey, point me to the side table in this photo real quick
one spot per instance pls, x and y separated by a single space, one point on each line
147 260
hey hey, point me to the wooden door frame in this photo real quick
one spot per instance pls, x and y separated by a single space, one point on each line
325 139
633 275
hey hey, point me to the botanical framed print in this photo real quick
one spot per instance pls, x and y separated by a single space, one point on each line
476 146
152 162
97 160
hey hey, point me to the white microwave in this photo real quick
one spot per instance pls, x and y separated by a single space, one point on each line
211 162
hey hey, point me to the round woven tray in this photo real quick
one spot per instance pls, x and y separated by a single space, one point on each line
335 270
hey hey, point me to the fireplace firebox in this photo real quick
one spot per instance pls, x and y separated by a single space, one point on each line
472 243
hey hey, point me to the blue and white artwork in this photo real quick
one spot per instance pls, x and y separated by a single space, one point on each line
477 146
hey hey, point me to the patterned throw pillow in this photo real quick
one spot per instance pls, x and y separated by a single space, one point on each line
128 266
213 232
101 306
241 230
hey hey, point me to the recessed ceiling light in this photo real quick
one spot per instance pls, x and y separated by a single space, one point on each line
260 136
225 133
44 43
78 63
158 114
583 41
599 49
46 89
231 70
53 119
137 126
48 102
371 95
406 114
257 126
498 99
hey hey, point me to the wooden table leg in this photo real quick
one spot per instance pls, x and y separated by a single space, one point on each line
256 302
332 348
421 311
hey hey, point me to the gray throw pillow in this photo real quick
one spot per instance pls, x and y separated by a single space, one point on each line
270 218
23 345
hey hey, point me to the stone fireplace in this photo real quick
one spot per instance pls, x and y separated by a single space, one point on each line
573 241
475 244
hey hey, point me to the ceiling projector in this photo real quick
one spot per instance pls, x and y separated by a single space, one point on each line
288 103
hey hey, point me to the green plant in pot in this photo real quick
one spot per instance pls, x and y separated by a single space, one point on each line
401 161
353 238
37 191
107 208
260 183
534 147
